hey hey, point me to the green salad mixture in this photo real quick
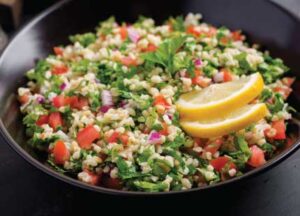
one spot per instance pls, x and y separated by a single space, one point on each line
103 108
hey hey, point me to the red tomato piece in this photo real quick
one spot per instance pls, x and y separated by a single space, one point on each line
195 78
219 163
193 31
58 70
224 40
55 120
113 183
59 101
284 91
288 81
60 152
199 142
226 75
78 102
94 178
128 61
214 146
279 126
58 50
237 36
87 136
43 119
123 32
257 157
113 138
124 138
160 100
151 48
24 98
164 131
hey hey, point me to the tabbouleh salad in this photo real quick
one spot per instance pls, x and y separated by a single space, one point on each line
103 108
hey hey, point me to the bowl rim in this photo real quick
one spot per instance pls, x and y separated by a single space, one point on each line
74 182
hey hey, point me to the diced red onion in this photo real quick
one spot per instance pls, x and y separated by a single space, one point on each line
133 35
182 73
63 86
105 108
198 62
40 99
106 98
154 138
170 116
218 77
123 104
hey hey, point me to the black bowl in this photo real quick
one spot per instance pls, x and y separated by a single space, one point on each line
264 23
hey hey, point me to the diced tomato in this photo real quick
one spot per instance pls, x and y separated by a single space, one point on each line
161 100
214 146
199 142
237 36
43 119
164 131
257 157
58 50
201 81
279 126
114 137
58 70
87 136
59 101
124 138
150 48
288 81
289 142
226 75
60 152
74 101
123 32
113 183
284 91
219 163
128 61
192 30
24 98
224 40
55 120
197 73
195 32
94 178
212 32
78 102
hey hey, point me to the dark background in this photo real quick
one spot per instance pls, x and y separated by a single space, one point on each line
24 190
29 9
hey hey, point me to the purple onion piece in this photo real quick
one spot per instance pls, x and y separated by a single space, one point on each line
106 98
133 35
198 62
123 104
170 116
105 108
218 77
154 138
63 86
40 99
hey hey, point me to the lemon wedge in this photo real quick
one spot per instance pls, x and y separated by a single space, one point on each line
218 99
230 122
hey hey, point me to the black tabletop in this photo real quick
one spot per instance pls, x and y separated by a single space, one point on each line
24 190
